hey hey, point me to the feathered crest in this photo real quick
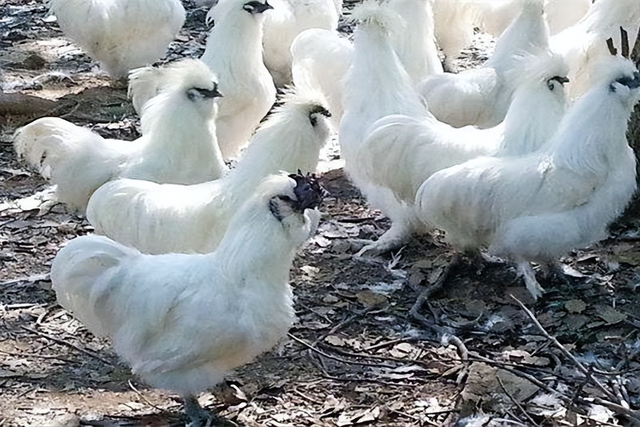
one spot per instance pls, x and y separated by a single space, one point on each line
371 12
534 68
187 73
307 100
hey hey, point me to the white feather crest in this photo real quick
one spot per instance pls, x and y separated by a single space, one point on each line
370 11
537 67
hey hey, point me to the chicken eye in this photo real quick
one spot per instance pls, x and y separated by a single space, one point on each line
559 79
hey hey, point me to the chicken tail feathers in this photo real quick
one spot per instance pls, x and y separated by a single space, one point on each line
80 276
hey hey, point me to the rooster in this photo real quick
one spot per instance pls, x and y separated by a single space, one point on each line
178 143
321 58
376 85
234 54
538 206
481 96
120 34
182 321
193 218
288 19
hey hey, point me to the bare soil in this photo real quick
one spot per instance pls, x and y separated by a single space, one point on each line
356 356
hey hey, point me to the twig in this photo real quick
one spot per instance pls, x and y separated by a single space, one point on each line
304 396
132 387
587 373
332 357
29 279
513 399
68 344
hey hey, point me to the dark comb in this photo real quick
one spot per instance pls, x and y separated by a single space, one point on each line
308 190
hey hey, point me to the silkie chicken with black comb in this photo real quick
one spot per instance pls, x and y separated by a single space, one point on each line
182 321
537 207
178 144
163 218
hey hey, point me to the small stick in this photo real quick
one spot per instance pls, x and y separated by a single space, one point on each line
144 398
611 47
624 37
635 52
59 341
513 399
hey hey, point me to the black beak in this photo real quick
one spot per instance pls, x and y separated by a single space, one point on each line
257 7
631 83
210 93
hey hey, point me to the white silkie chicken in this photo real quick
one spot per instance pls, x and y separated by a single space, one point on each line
281 26
178 143
455 20
120 34
582 44
165 218
321 58
234 54
416 45
481 96
183 321
401 152
539 206
376 86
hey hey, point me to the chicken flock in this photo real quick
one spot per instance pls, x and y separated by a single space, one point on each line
523 158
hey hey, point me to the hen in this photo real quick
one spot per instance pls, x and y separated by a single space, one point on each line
176 218
234 54
288 19
178 143
120 34
320 59
539 206
401 152
376 86
456 20
481 96
182 321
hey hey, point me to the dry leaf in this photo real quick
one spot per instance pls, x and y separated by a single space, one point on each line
575 306
371 299
610 315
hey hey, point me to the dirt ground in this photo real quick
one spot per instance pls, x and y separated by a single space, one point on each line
356 355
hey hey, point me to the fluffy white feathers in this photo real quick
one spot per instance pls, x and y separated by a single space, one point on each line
183 321
288 19
120 34
234 54
537 207
178 143
481 96
177 218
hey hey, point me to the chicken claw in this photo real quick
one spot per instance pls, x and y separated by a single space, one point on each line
529 276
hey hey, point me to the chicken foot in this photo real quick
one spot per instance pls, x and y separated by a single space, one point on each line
392 239
200 417
427 292
529 276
